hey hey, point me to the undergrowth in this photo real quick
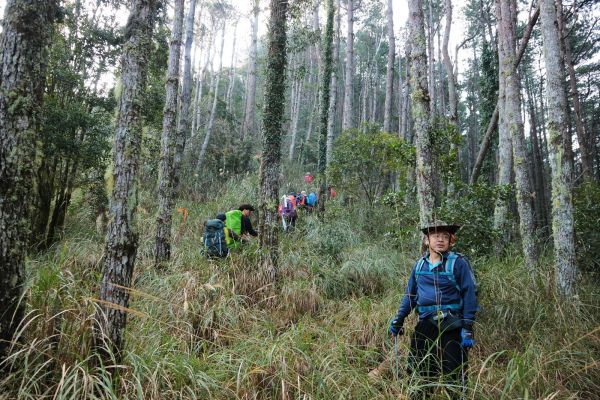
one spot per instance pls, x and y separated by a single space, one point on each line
206 329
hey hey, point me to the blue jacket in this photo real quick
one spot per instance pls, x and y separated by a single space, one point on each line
436 289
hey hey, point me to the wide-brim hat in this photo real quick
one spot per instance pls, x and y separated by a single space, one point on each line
440 226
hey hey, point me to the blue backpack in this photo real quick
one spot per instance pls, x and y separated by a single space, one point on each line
214 239
311 200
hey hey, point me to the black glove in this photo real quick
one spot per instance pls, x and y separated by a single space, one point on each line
396 327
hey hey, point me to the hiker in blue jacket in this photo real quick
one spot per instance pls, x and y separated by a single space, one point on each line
443 291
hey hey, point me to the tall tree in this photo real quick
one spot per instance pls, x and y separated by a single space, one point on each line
122 239
185 110
421 112
586 157
166 194
333 100
389 78
271 154
26 32
452 96
348 113
213 110
232 69
325 97
249 127
493 123
562 203
430 56
514 126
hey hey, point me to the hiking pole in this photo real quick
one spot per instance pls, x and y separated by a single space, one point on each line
396 356
462 374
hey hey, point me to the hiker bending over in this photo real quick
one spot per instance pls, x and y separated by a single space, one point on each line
246 228
442 289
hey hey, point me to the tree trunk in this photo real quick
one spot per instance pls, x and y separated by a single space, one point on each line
200 86
538 164
26 32
334 83
562 204
586 157
213 110
430 58
166 194
231 85
249 127
122 238
405 119
515 127
389 78
421 112
453 99
348 113
492 125
325 103
185 110
504 145
271 156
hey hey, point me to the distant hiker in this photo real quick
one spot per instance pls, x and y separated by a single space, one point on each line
308 178
288 212
331 192
311 201
215 241
301 200
246 227
442 289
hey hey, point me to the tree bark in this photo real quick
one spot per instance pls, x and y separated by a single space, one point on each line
271 156
514 125
504 143
325 98
430 58
334 84
122 238
421 112
26 32
453 98
232 68
347 119
185 110
166 193
562 203
389 79
249 127
493 124
586 157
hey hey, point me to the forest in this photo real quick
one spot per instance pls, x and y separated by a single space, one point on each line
336 147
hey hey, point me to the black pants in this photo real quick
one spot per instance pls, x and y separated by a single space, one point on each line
436 354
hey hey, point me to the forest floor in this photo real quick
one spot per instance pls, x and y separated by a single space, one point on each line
206 329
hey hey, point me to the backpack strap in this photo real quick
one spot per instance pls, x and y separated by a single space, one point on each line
448 272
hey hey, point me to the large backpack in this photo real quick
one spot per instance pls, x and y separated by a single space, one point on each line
289 207
311 200
234 222
214 238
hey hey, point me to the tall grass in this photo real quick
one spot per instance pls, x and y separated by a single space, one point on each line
206 329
